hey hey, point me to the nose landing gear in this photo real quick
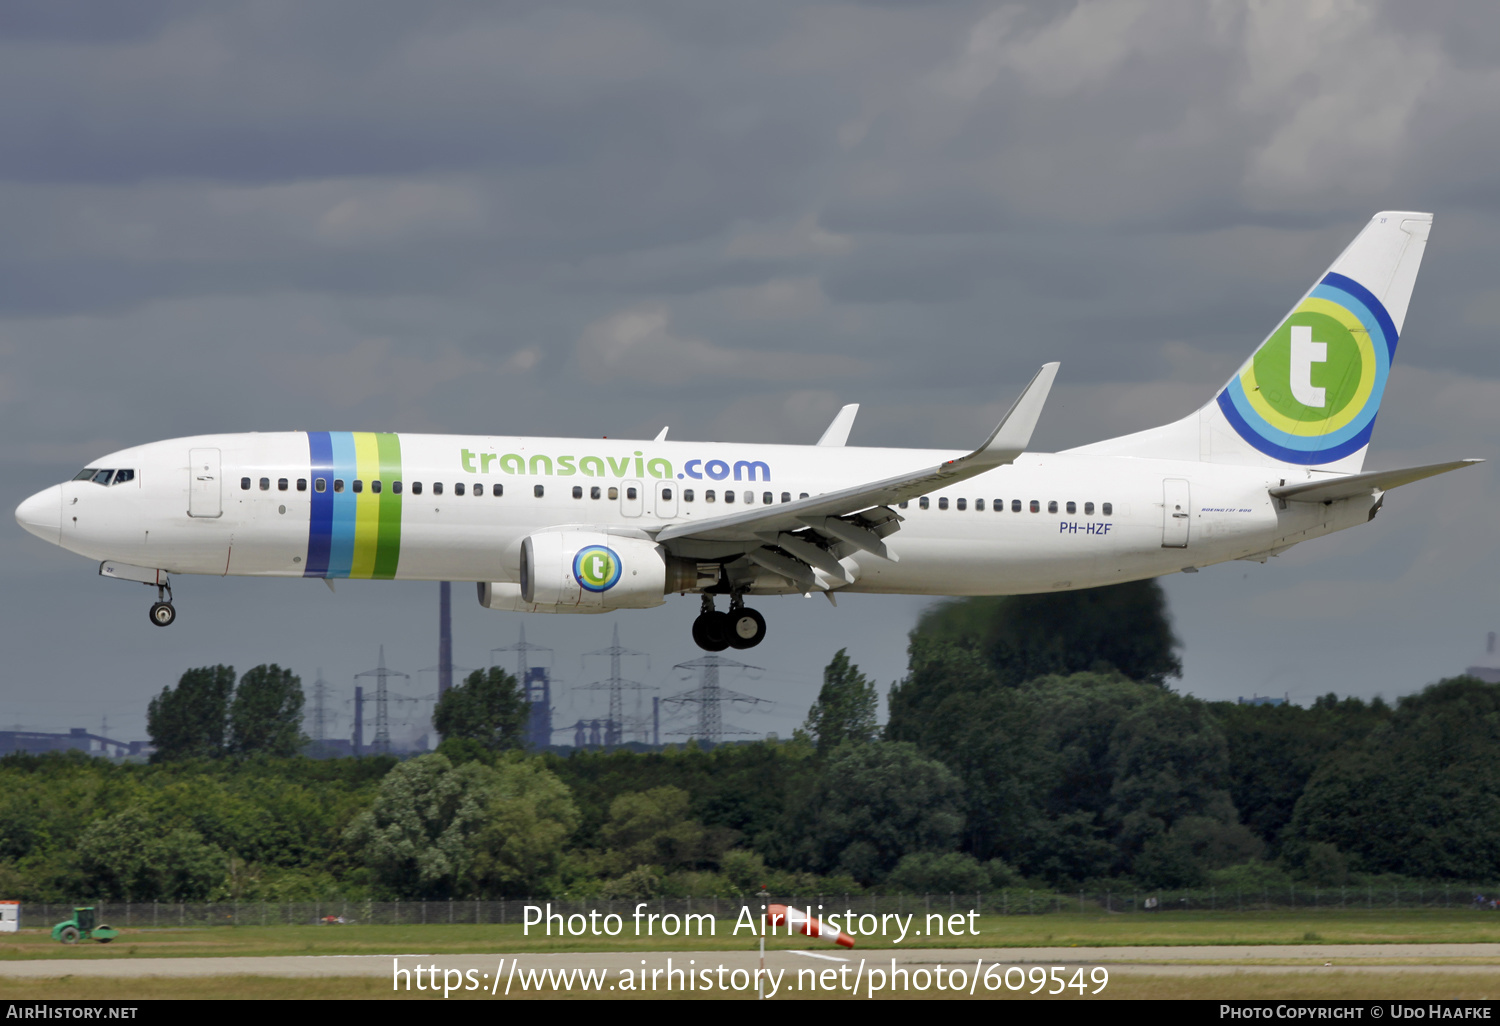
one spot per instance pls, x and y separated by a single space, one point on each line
741 627
162 610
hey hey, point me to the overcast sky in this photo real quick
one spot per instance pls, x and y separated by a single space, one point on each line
596 219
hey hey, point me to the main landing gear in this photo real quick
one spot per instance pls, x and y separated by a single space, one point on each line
741 627
162 610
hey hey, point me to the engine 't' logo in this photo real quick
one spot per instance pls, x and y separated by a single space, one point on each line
596 567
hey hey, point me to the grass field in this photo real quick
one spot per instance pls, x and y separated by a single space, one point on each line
1277 987
1176 928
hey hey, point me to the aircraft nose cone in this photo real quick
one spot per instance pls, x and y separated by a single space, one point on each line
42 514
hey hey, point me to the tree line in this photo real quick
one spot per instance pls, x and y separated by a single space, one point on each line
1034 741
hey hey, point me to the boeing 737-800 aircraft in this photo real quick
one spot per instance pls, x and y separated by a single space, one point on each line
567 525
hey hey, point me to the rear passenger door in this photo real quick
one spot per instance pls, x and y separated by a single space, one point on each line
1176 513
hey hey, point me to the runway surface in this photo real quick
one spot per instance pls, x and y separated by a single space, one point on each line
1198 960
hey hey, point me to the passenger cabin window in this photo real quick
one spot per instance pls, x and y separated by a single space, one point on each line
749 498
1015 505
1036 507
479 488
437 488
416 487
999 505
1109 509
728 495
1072 507
578 491
320 484
458 489
538 490
338 484
786 496
802 496
708 496
594 492
498 489
1052 506
766 498
943 502
375 486
614 493
121 476
630 492
244 484
963 503
359 485
265 484
301 484
666 494
396 487
922 502
1088 509
979 504
687 495
904 503
282 484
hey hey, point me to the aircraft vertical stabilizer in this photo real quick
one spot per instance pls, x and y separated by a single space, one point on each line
1309 394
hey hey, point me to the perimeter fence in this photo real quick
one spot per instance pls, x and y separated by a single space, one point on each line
1010 902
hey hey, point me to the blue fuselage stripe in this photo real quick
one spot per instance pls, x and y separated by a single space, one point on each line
341 548
320 523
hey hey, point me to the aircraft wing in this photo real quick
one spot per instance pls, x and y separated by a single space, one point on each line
825 515
1356 485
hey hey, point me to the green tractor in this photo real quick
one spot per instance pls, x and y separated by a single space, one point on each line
83 927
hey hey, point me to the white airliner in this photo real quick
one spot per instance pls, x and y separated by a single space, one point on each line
571 525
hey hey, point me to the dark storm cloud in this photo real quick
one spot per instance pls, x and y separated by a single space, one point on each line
589 219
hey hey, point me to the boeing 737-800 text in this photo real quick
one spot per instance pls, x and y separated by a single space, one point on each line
566 525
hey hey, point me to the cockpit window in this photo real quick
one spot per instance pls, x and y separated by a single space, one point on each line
101 477
86 474
121 476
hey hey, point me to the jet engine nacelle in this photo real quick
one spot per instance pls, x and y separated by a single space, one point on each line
583 571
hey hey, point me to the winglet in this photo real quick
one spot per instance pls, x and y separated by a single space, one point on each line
1013 434
662 436
838 431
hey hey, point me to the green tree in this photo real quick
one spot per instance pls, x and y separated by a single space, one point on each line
872 804
1274 750
188 722
419 836
930 872
527 821
265 716
1122 627
845 709
953 709
489 707
1419 795
129 856
653 828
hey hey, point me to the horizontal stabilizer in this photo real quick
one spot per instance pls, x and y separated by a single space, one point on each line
1355 485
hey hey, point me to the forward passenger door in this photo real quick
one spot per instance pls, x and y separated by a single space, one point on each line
204 496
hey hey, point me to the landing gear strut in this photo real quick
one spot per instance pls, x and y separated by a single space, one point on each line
741 627
162 611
